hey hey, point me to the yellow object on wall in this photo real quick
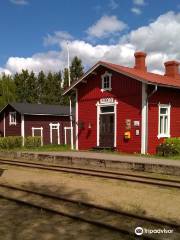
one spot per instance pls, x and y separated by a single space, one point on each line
127 135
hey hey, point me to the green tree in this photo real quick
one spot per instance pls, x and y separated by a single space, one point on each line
20 80
41 81
76 69
7 90
31 88
65 78
56 86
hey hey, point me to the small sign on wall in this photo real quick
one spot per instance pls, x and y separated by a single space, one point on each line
136 123
106 100
128 124
137 132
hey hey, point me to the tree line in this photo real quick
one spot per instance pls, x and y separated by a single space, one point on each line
42 88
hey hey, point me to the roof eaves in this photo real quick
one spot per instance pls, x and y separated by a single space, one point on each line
9 104
141 79
46 114
79 80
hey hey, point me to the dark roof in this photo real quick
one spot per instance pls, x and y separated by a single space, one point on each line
40 109
147 77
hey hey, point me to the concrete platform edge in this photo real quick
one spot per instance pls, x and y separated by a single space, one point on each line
95 162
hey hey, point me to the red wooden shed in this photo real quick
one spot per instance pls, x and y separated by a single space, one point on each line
129 109
51 122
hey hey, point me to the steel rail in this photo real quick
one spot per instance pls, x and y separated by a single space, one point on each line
97 173
73 216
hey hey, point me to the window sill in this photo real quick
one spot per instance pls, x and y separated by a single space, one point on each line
12 124
163 136
108 89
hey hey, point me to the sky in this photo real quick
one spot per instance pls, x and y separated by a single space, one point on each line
34 33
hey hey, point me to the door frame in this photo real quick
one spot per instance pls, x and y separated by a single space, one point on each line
39 129
99 105
55 126
65 134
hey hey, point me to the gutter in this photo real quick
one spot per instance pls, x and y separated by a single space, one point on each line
147 110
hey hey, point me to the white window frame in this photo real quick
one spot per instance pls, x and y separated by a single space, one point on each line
10 118
41 129
102 78
168 106
55 126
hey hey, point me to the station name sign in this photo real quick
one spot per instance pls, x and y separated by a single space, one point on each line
107 100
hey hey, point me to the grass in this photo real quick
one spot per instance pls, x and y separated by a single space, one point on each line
45 148
64 148
49 148
170 157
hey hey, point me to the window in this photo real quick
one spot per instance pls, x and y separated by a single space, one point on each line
12 118
164 121
107 109
106 81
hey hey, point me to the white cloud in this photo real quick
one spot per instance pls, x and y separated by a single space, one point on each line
4 71
161 35
50 61
139 2
57 37
160 39
113 4
106 26
19 2
136 10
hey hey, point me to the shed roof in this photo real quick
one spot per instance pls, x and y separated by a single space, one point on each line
40 109
143 76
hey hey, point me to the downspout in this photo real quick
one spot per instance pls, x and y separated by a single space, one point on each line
147 110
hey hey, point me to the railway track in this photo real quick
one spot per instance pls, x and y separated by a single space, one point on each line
103 217
97 173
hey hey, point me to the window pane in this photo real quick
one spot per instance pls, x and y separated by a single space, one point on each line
106 81
165 124
13 117
107 109
161 124
163 110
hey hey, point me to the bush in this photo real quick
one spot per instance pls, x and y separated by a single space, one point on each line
170 147
10 142
31 142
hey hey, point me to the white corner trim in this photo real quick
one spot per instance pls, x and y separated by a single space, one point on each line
22 129
144 120
4 124
76 121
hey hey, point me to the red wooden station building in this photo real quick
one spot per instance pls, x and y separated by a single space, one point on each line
129 109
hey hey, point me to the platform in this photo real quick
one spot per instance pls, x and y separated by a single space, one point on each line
102 160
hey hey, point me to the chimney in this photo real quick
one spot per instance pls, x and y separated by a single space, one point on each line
140 61
172 69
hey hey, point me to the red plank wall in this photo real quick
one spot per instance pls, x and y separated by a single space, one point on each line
163 96
44 121
127 92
